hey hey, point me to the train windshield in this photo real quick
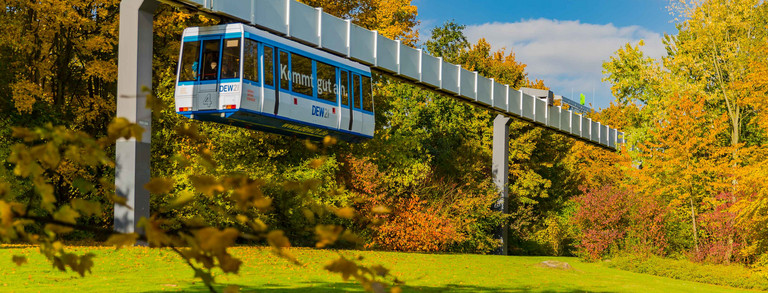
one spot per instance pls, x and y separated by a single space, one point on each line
189 64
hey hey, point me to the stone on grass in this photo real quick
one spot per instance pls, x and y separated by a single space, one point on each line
553 264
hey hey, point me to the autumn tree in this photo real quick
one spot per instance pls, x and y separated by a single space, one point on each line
694 126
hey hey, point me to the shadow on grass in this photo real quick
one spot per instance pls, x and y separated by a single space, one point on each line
319 287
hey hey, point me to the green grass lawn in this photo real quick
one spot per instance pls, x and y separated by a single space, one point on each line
153 270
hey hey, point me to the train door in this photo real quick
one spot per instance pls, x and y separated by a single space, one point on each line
269 94
251 99
283 92
230 81
345 110
207 91
355 101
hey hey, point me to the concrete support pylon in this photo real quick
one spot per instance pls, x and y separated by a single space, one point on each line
134 77
500 170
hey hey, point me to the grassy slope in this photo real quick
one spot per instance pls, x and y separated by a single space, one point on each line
150 270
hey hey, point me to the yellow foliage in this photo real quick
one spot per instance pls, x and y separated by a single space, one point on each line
159 185
122 240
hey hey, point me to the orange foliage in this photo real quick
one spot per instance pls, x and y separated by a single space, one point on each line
414 226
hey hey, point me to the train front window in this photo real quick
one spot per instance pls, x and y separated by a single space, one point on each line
189 61
230 59
301 74
367 94
269 66
326 82
251 61
344 88
285 72
210 62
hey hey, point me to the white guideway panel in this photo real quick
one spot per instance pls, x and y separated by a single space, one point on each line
308 25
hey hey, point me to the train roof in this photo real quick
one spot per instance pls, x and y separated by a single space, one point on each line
239 28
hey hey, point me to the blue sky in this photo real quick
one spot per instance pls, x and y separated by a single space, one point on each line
563 42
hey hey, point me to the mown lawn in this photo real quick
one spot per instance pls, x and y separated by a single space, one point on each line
152 270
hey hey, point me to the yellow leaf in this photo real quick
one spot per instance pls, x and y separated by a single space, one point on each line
66 214
329 140
84 265
276 238
232 289
5 189
6 214
316 163
327 234
381 210
215 241
121 240
87 207
258 225
46 192
159 185
343 266
396 290
229 264
280 243
185 196
189 130
262 203
347 213
380 270
207 185
24 133
19 259
310 146
122 128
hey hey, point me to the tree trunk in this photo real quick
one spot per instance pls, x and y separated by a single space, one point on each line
693 220
735 136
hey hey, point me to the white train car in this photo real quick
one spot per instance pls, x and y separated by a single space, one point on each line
243 76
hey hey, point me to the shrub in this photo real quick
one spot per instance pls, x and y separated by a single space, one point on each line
610 218
733 275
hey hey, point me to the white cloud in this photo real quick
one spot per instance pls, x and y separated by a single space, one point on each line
567 55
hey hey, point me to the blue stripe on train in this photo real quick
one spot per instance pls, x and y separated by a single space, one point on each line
215 116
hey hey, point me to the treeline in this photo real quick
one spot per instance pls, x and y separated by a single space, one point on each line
689 183
694 183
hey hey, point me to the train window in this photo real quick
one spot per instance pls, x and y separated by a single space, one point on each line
285 72
251 61
230 59
344 87
269 66
301 74
210 60
189 61
356 90
326 82
367 94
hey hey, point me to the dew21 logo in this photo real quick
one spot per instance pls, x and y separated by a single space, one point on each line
320 112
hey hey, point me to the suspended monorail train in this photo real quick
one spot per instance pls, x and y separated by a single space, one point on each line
243 76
